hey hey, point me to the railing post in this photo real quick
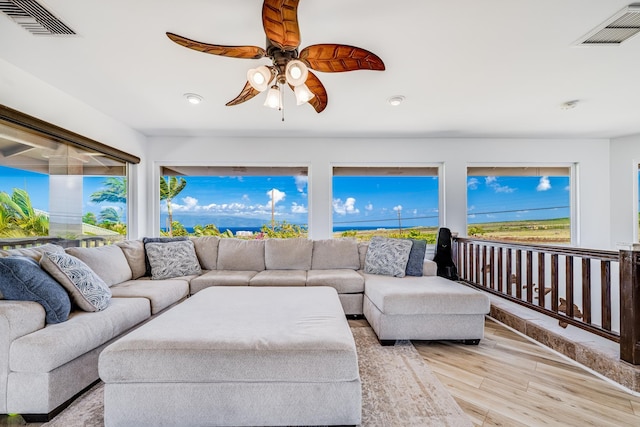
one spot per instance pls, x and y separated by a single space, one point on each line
630 303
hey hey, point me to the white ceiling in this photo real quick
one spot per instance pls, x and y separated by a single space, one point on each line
468 68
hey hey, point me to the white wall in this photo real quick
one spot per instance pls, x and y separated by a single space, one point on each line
454 155
23 92
625 157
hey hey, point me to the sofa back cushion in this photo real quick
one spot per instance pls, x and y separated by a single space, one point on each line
288 254
207 251
34 252
332 254
134 252
241 255
108 262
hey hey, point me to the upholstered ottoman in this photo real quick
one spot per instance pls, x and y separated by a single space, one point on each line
424 308
237 356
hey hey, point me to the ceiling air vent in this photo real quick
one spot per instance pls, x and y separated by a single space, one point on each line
615 30
33 17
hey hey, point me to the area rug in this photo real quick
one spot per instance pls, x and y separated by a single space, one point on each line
398 389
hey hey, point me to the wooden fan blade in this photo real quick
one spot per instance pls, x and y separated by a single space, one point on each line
247 93
319 101
337 58
248 52
280 22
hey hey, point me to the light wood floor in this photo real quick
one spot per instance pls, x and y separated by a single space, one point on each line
508 380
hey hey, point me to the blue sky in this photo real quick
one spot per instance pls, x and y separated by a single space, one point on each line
502 198
357 201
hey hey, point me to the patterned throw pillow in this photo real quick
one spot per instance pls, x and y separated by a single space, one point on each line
172 259
146 240
22 279
88 291
415 265
387 257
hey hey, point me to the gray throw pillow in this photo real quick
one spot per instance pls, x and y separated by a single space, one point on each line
22 279
146 240
88 291
172 259
415 265
387 257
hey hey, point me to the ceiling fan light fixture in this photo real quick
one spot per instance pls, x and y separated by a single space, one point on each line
303 94
260 77
273 97
296 72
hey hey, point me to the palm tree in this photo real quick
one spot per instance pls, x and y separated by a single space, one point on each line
18 211
114 191
109 215
168 191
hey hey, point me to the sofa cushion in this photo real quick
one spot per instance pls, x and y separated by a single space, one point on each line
55 345
415 264
331 254
423 295
288 254
241 255
88 291
108 262
279 278
34 252
345 281
221 278
160 293
387 257
362 252
134 252
146 240
22 279
172 259
207 251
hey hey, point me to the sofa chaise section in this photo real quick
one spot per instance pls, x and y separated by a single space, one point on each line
424 308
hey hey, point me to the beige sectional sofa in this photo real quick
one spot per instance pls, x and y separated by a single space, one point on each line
43 366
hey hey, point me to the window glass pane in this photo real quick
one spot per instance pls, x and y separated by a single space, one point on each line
520 208
47 191
242 205
394 206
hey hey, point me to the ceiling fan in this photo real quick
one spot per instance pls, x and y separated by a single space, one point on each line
290 67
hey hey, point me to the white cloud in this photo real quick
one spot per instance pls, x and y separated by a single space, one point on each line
397 208
189 204
301 183
369 207
346 207
472 183
492 182
275 196
298 209
544 184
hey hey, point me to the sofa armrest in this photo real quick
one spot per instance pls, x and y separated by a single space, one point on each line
17 318
429 268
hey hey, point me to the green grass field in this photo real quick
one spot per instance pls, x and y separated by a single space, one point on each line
552 231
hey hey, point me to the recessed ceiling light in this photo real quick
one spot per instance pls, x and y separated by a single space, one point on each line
569 105
395 100
193 98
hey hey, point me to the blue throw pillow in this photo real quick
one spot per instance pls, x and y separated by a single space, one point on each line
415 265
22 279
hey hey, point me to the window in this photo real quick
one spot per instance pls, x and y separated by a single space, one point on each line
59 185
249 202
388 201
519 204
